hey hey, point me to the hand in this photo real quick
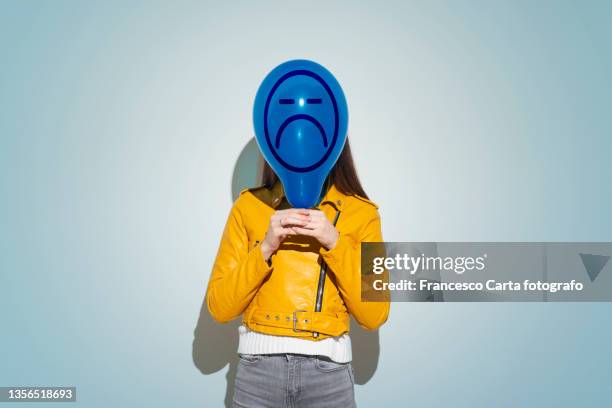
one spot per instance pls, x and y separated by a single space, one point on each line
320 228
282 224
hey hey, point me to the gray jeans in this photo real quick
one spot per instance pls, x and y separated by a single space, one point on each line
292 381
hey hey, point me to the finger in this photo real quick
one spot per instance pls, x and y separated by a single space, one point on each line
316 213
313 224
290 221
281 231
301 217
302 211
285 213
289 210
305 231
294 224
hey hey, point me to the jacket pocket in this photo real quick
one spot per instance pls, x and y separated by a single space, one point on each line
249 359
327 365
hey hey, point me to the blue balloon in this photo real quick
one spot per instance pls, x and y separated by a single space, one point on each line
301 118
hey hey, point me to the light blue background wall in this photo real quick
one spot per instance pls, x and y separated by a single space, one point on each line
121 124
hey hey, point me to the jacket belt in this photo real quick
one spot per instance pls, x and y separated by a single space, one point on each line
331 324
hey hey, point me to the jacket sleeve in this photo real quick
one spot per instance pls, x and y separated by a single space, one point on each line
345 262
237 272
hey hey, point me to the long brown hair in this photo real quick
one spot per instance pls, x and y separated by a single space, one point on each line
343 175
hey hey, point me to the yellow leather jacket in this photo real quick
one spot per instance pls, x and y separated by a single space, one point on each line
279 297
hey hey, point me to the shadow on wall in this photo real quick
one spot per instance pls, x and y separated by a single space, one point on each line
248 168
215 345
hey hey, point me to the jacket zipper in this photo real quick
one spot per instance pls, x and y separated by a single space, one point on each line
321 284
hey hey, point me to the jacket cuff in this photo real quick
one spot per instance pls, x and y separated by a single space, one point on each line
261 266
336 256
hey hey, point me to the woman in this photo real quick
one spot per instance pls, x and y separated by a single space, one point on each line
294 276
